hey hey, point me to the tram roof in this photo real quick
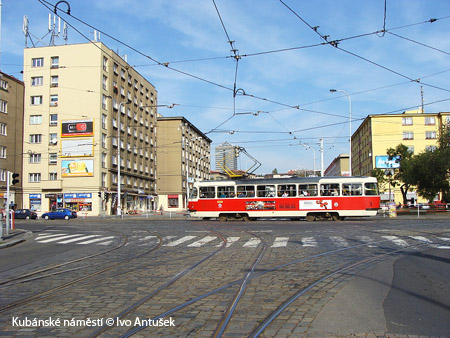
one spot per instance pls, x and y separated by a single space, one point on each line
288 180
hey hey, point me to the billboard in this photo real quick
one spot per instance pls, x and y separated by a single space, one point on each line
77 168
77 147
383 162
76 128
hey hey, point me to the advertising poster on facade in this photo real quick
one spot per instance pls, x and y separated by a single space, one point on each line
77 147
77 168
383 162
76 128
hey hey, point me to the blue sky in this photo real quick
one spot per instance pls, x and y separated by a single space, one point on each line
287 100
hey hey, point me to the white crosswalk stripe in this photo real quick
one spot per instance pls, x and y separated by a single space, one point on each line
179 241
57 238
96 240
280 242
230 241
252 243
367 240
202 241
421 238
396 241
61 238
339 241
77 239
309 241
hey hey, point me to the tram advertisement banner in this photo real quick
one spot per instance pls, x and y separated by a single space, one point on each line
260 205
316 204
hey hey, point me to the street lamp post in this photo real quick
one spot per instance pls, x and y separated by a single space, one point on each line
119 183
350 128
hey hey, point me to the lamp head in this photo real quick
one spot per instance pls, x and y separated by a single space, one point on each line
333 90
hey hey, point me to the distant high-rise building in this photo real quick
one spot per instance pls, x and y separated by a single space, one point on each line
226 157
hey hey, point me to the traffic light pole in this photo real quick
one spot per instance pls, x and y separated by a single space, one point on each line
8 202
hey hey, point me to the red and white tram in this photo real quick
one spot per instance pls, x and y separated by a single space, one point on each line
312 198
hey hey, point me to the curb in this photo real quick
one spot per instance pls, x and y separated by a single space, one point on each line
9 241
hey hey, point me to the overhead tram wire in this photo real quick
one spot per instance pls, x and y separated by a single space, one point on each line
335 43
419 43
166 65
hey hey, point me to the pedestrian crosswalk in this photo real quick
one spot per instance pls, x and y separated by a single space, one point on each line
198 241
64 238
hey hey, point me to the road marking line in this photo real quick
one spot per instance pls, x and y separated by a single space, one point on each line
105 243
421 238
309 241
97 240
54 239
44 236
252 243
202 241
179 241
230 241
78 239
280 242
146 238
339 241
396 241
367 240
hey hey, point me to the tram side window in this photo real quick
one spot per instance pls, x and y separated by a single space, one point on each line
194 193
370 189
245 191
307 190
287 190
207 192
265 191
353 189
225 192
330 189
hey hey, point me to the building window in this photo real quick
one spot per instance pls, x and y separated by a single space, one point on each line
430 148
430 121
407 121
3 85
408 135
122 74
104 121
54 81
36 100
52 176
37 62
430 135
3 129
35 119
53 100
103 160
103 180
53 138
105 63
105 82
411 149
104 102
35 158
53 119
2 152
37 81
2 175
34 177
104 140
3 107
55 62
53 158
115 66
35 138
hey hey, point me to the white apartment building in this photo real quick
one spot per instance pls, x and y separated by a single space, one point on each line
82 102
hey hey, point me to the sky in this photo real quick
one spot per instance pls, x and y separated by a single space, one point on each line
258 74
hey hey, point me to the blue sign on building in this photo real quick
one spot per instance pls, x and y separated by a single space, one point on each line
383 162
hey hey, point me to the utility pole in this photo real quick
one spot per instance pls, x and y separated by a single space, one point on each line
321 157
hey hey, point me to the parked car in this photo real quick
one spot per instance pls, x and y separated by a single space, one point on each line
24 214
60 214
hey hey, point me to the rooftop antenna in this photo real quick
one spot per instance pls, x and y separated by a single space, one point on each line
421 94
54 30
96 35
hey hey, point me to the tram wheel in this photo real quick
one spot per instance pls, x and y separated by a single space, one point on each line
310 218
245 218
337 218
222 218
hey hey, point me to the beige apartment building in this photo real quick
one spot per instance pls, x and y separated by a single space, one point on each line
417 130
185 151
338 167
11 133
83 103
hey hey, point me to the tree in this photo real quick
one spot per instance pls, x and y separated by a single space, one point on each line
275 171
398 178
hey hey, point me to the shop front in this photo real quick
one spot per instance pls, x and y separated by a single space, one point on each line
78 201
35 202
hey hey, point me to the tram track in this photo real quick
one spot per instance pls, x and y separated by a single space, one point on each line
52 291
352 264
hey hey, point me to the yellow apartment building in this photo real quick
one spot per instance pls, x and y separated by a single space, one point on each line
86 107
377 133
11 133
338 167
186 152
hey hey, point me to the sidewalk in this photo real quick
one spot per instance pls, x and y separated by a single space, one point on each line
15 237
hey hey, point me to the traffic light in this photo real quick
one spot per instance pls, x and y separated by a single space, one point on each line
15 180
106 196
100 194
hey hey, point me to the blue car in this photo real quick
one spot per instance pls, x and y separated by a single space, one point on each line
60 214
